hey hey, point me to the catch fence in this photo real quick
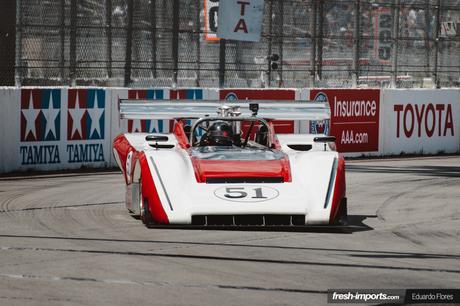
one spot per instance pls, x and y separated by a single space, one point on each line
305 43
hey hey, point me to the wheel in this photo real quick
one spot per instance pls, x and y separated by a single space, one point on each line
144 211
342 215
146 217
133 210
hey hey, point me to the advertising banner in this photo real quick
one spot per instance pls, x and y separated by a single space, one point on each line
421 121
281 126
55 128
48 129
354 118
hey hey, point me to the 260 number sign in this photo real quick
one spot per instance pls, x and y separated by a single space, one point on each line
383 21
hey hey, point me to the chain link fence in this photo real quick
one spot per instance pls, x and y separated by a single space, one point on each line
305 43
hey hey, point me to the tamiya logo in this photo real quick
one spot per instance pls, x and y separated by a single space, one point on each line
40 114
231 96
86 114
147 126
320 126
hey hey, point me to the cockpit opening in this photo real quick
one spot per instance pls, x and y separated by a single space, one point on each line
222 131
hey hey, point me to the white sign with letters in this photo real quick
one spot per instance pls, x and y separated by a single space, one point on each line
421 121
240 19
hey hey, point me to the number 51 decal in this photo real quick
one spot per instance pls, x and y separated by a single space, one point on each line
246 193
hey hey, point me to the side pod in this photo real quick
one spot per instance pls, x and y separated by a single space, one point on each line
150 195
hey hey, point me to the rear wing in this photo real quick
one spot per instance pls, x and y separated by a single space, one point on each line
174 109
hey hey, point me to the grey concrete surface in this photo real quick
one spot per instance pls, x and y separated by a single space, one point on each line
68 240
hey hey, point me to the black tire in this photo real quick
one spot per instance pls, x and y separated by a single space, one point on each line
146 217
342 215
144 212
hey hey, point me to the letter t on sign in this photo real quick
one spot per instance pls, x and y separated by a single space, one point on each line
243 5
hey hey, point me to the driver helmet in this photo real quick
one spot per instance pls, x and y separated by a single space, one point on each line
220 134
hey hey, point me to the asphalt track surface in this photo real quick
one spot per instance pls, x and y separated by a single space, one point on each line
67 239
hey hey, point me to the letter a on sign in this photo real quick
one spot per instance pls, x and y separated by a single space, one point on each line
240 19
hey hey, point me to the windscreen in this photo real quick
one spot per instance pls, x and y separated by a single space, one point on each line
236 153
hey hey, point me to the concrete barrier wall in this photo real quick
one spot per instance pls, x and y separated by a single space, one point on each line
49 129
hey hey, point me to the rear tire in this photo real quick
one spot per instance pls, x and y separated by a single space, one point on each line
144 212
342 215
146 217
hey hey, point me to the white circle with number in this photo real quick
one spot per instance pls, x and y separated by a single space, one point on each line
250 194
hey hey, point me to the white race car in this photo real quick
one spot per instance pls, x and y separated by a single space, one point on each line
231 169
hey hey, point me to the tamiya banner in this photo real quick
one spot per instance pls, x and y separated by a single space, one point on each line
354 118
48 129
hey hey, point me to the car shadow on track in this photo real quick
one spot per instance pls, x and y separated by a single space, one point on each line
355 224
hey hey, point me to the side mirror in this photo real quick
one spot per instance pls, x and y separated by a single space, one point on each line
326 140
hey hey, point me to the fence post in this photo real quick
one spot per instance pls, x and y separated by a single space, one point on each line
73 42
7 41
320 39
175 41
280 46
18 55
436 45
356 42
62 37
129 44
153 24
222 43
270 35
313 35
198 45
428 32
108 20
394 55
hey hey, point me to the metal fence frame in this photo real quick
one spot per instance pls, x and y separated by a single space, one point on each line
159 31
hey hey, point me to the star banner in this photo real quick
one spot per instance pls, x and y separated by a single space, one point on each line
40 115
86 114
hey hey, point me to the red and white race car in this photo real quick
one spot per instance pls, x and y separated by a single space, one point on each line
231 169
